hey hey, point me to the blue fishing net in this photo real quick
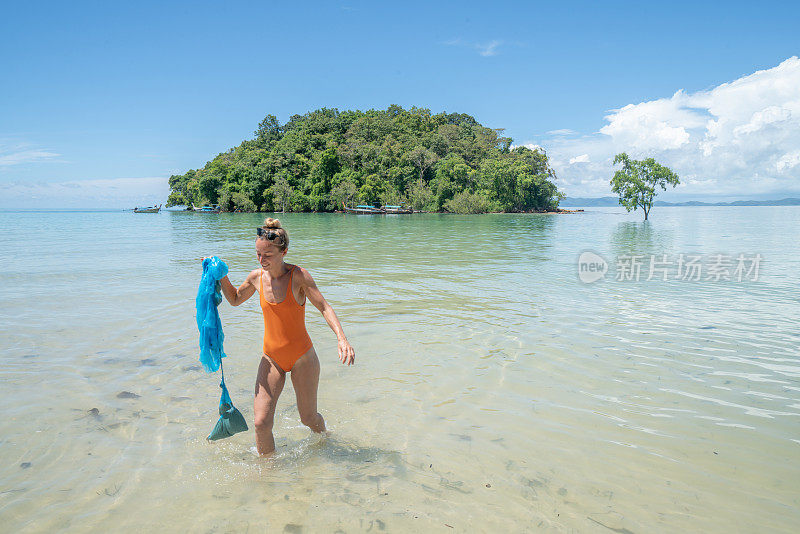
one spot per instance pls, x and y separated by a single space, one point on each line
208 322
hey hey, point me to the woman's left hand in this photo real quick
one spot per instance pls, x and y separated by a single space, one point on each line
346 353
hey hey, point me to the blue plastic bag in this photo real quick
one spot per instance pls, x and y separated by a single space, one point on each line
209 297
231 421
208 322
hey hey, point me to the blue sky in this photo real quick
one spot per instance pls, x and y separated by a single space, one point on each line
101 102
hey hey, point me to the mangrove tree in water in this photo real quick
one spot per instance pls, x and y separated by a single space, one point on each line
636 182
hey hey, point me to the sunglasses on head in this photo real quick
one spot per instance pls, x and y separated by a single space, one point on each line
269 234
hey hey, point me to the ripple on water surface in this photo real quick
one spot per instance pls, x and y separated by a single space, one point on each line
492 391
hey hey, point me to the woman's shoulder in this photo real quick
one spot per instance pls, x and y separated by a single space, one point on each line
302 275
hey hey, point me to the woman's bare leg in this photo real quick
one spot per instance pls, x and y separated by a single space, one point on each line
269 385
305 379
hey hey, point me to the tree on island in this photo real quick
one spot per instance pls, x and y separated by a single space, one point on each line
281 193
342 195
636 182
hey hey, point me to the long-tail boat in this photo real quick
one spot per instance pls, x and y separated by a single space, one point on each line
149 209
210 208
365 209
398 209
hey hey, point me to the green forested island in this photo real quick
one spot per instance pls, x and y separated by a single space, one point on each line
326 159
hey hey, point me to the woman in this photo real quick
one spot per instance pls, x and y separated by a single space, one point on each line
284 289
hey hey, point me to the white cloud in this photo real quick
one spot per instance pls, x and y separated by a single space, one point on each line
23 153
484 49
532 146
562 131
100 193
763 118
660 124
788 161
583 158
738 138
488 49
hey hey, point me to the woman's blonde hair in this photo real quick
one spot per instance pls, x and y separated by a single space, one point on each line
274 226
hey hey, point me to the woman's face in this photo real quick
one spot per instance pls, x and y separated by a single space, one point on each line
268 254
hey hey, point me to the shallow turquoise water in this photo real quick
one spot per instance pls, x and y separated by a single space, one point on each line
493 389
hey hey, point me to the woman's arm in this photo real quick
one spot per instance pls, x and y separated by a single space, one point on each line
346 353
245 291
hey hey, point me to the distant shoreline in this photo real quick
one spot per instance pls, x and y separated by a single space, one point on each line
563 208
607 202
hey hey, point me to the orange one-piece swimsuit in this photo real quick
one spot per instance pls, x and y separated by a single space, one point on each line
285 335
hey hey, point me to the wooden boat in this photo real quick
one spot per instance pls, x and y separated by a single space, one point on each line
398 209
210 208
365 209
149 209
